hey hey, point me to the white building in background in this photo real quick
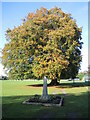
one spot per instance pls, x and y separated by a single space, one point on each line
2 71
86 78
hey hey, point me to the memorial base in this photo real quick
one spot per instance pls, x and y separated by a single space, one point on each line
52 100
45 98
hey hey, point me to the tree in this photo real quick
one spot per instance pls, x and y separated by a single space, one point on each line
51 38
74 65
88 70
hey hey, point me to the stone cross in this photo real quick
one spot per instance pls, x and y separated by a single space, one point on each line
45 86
45 92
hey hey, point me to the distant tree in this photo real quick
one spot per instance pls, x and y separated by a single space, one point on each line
88 70
47 44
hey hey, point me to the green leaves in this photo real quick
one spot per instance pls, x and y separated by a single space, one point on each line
52 37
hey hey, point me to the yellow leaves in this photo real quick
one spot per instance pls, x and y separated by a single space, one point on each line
53 32
45 30
38 22
43 19
49 34
50 62
30 16
32 42
40 47
43 63
80 29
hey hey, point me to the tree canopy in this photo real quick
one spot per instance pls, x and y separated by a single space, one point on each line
46 44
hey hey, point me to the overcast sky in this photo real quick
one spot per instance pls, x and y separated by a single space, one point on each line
13 13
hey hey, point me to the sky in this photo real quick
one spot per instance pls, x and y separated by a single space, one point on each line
14 12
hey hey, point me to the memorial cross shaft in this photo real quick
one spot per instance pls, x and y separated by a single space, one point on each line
45 92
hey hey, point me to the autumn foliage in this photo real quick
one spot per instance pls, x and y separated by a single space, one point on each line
46 44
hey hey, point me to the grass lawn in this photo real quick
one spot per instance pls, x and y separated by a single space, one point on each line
15 92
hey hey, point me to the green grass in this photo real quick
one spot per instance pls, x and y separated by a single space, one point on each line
15 92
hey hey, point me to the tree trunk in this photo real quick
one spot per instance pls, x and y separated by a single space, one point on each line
54 82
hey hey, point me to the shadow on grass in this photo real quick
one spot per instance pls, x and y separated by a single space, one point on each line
75 84
65 85
74 107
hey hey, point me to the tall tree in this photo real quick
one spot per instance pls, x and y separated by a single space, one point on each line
47 44
88 70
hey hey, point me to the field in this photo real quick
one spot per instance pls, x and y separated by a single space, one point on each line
15 92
